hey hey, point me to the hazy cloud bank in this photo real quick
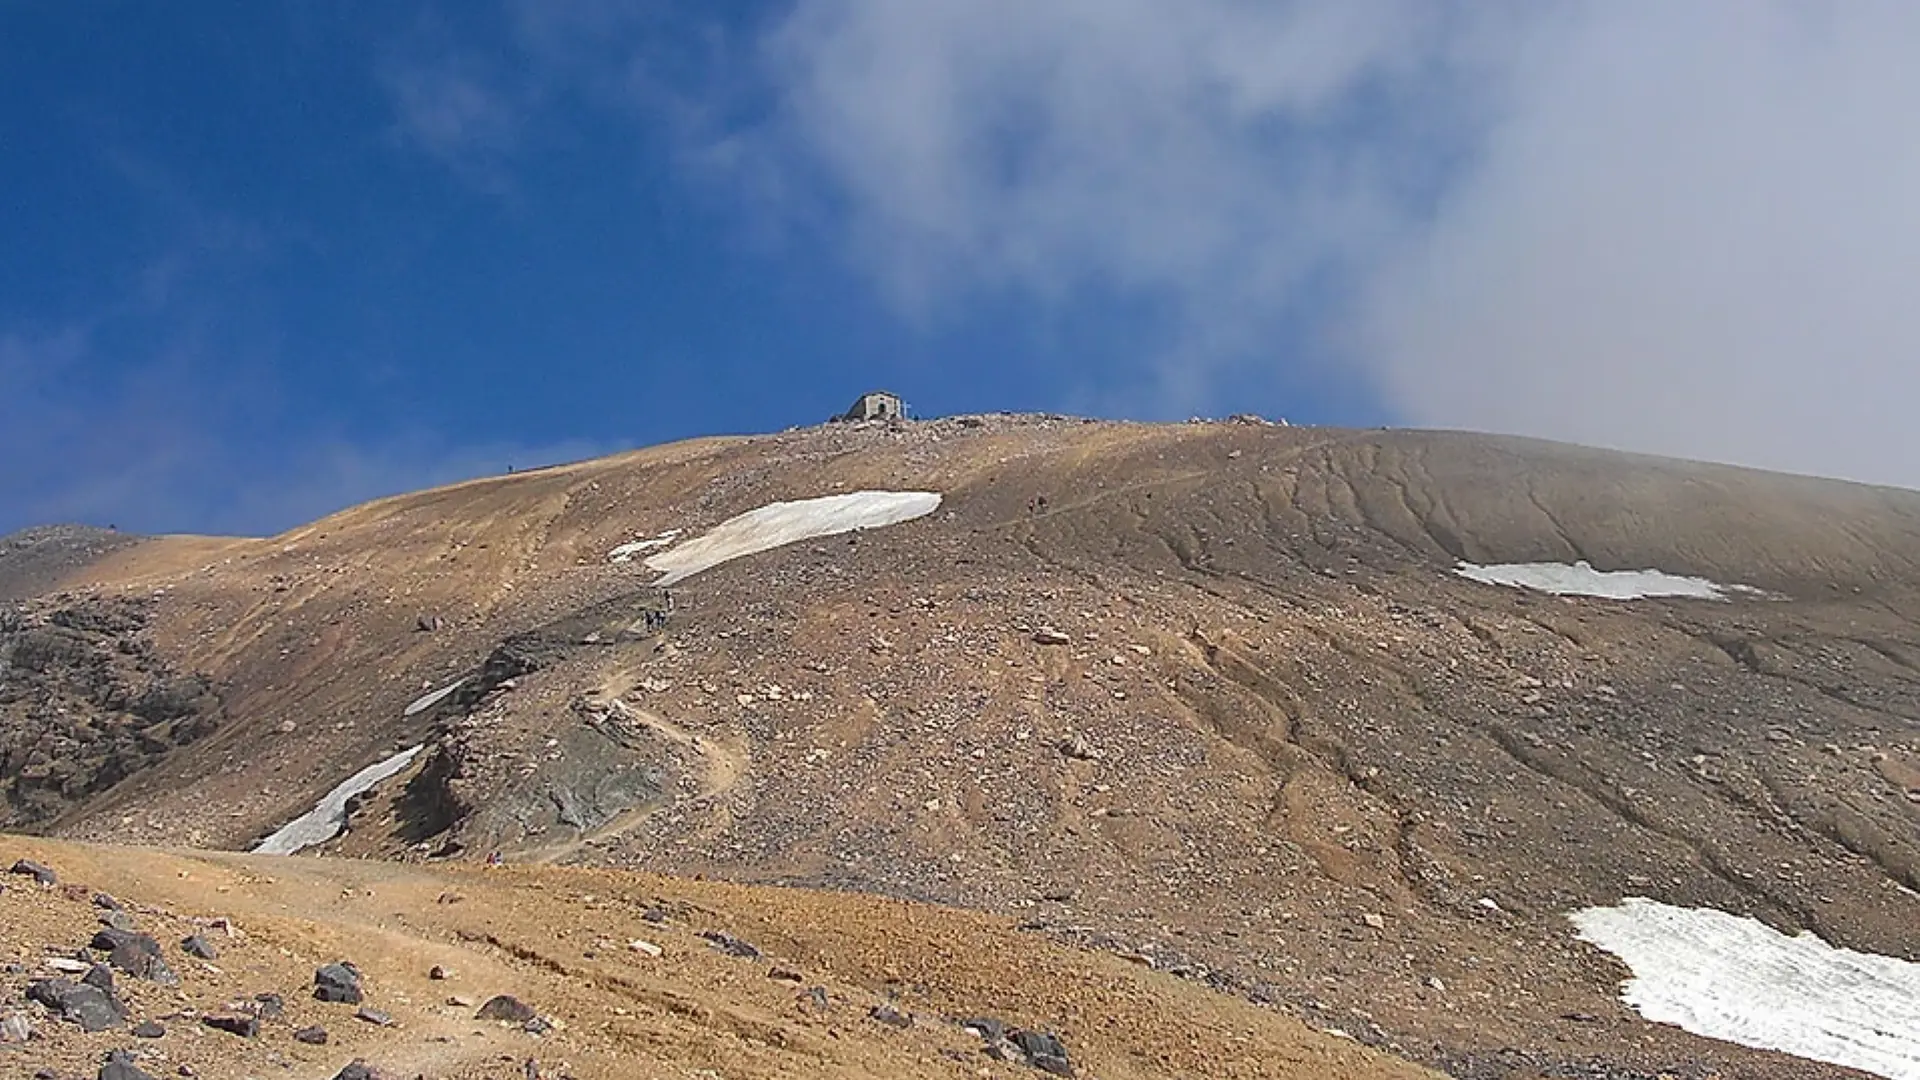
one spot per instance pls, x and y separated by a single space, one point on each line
1683 228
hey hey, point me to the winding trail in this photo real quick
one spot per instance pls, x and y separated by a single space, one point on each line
721 765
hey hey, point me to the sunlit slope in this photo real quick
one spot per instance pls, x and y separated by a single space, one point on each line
1211 695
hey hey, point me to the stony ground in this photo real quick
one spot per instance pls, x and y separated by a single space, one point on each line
85 702
1205 698
621 975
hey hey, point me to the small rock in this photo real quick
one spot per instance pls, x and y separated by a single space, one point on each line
120 1066
88 1006
149 1029
1044 1051
646 948
67 965
731 945
107 903
1078 748
240 1024
438 973
505 1007
359 1070
1377 922
15 1028
37 871
1047 635
376 1017
268 1006
780 974
338 983
460 1001
539 1025
136 954
314 1035
885 1013
1036 1049
100 977
196 946
117 920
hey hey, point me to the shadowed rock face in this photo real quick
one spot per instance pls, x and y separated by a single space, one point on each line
86 702
1271 742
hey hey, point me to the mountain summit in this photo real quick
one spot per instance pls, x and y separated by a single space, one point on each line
1375 729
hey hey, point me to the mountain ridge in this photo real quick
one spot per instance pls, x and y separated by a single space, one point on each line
1209 695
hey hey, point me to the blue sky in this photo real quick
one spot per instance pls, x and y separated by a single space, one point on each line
264 260
243 286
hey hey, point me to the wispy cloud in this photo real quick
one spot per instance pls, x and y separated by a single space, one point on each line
157 406
152 448
455 104
454 110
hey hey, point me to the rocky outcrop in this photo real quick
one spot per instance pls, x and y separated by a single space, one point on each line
86 702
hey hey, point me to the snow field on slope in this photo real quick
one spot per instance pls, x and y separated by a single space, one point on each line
432 697
1581 579
778 524
626 552
329 815
1739 980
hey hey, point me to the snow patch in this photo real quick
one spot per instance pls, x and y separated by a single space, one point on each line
626 552
784 523
431 698
1737 979
329 815
1581 579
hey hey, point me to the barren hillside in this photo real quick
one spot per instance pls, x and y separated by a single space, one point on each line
1210 698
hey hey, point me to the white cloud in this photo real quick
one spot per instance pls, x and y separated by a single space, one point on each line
452 111
1122 144
1687 228
1694 229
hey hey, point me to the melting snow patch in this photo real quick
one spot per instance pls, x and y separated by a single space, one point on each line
783 523
1733 978
626 552
430 699
329 815
1581 579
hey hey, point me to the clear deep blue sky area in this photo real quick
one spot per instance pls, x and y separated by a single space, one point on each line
261 260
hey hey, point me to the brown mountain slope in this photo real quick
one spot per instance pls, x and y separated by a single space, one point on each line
1283 750
560 941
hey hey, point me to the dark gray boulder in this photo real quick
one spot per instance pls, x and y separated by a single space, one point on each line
39 872
120 1066
88 1006
338 983
505 1007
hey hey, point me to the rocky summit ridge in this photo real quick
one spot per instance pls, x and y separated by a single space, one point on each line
1207 712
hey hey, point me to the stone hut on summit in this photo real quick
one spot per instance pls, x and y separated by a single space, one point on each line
876 405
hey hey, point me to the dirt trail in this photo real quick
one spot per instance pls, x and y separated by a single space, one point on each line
557 939
722 763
